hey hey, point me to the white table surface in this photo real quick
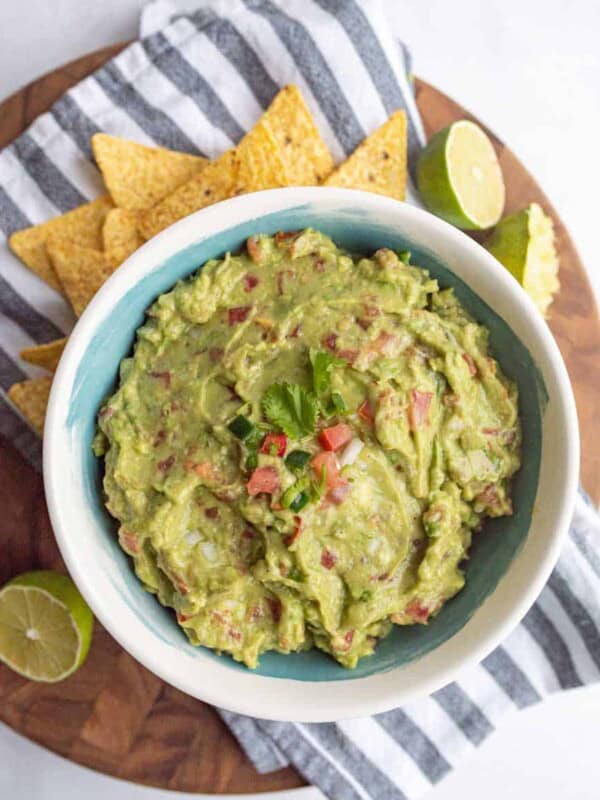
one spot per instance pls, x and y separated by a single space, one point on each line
530 69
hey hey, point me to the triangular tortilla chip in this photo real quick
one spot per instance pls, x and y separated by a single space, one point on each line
379 163
307 159
83 226
121 235
44 355
138 176
31 398
214 183
260 161
255 164
81 270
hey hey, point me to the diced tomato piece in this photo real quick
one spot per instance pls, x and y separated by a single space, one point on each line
418 411
330 341
366 412
129 541
282 277
418 611
382 344
107 411
180 585
296 332
274 444
216 354
470 363
275 608
335 437
343 643
282 237
348 355
489 496
238 314
212 513
159 438
181 618
328 559
328 459
250 282
295 534
165 377
166 464
204 469
254 249
338 495
263 479
248 533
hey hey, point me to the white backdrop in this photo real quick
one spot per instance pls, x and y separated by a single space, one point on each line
530 69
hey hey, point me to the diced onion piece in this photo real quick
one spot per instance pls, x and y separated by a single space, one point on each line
192 538
209 551
373 546
351 453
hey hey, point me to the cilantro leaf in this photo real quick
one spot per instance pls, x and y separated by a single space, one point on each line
322 364
291 408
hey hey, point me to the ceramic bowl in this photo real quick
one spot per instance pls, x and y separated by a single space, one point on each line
511 558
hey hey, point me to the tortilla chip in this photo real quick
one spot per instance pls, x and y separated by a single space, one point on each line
31 399
260 161
81 270
45 355
254 164
379 163
306 157
214 183
137 176
120 234
83 226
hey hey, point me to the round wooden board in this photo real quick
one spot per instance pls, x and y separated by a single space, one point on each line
115 716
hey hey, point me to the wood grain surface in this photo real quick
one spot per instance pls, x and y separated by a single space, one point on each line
114 715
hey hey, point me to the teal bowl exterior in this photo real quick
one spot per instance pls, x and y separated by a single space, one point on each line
93 372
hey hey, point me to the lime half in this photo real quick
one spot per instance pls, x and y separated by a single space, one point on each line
45 626
524 243
460 179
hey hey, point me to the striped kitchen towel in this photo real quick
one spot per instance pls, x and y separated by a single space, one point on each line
196 81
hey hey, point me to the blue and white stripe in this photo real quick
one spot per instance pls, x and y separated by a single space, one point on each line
197 82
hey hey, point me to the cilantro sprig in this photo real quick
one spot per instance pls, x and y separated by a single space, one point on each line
322 364
291 408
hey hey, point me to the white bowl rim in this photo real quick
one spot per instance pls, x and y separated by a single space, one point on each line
280 698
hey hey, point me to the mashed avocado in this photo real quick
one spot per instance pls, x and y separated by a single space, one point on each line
302 445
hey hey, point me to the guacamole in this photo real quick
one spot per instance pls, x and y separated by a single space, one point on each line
302 446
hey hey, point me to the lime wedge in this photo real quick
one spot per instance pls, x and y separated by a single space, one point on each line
45 626
524 243
459 177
